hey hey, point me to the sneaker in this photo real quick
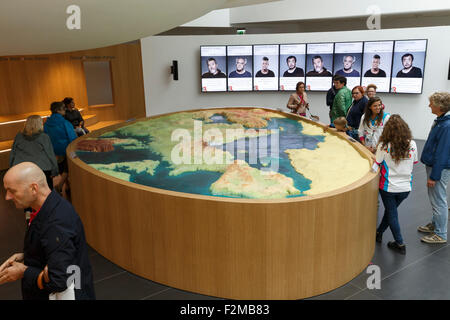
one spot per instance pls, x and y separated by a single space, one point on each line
429 228
397 247
379 237
433 238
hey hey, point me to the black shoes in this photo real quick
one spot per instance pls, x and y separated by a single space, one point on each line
379 237
395 246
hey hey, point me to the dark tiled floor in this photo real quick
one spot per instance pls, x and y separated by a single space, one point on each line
423 273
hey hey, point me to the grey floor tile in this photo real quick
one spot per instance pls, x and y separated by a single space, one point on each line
360 281
426 280
391 262
91 251
175 294
103 268
126 286
365 295
441 255
337 294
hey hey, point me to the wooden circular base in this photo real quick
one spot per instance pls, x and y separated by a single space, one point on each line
230 248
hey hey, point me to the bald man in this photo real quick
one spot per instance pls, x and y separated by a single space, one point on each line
55 258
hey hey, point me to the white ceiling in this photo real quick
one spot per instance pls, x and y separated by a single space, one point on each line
39 26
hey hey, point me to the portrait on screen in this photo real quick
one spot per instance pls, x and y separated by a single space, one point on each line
213 69
240 70
318 67
265 71
348 64
292 69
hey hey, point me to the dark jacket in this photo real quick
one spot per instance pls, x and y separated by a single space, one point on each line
413 73
61 133
74 117
37 149
219 74
355 112
330 96
314 73
56 238
436 152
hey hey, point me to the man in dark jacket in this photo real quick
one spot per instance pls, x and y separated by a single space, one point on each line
55 258
436 157
330 96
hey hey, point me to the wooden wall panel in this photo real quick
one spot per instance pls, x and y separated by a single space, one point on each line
31 83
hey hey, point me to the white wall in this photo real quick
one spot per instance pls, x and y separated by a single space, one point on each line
163 95
216 18
304 10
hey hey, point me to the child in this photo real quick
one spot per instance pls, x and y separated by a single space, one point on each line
396 153
341 125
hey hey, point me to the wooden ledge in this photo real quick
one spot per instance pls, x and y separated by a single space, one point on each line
15 118
98 106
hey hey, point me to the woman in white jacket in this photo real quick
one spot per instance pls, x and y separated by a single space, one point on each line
372 123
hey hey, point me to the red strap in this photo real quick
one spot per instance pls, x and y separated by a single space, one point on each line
33 215
301 99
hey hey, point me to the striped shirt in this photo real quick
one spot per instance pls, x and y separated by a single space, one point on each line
396 177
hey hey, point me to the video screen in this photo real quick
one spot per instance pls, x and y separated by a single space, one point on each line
240 68
292 65
265 67
408 66
319 65
393 66
213 68
348 62
377 64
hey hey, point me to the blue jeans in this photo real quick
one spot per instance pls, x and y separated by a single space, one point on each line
438 200
391 201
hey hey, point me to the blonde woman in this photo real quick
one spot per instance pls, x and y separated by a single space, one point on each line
33 145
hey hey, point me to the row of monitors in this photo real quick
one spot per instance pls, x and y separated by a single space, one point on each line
393 66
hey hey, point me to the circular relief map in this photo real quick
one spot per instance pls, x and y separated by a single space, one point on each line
233 152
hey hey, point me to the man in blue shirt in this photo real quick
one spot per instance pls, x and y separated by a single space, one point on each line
240 71
348 70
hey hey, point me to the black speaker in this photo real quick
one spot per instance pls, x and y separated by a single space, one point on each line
449 69
174 69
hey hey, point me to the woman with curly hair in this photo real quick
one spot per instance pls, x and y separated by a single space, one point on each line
396 153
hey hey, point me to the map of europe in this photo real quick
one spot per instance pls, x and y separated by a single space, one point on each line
231 152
